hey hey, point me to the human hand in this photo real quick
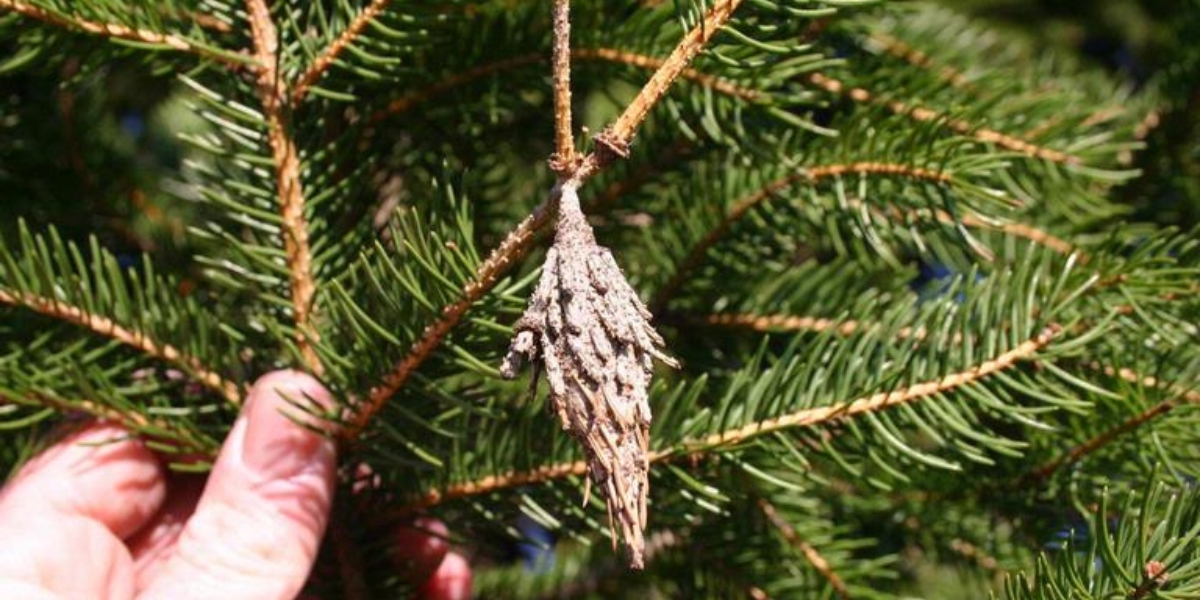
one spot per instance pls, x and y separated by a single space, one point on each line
97 519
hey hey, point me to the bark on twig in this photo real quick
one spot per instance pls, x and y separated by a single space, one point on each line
617 137
564 142
274 96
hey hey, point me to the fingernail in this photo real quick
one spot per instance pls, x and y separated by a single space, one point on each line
277 445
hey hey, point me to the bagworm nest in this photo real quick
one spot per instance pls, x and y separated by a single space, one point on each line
591 334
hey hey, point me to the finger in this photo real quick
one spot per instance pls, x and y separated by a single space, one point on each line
155 543
452 581
64 516
259 522
419 549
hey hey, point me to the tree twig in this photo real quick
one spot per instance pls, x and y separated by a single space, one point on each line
617 137
926 115
115 30
564 138
1180 396
134 339
810 553
273 94
331 52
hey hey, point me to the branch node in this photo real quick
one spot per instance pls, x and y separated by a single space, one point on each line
610 146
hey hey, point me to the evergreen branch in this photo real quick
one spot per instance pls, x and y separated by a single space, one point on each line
1180 397
741 207
501 259
1021 230
810 553
1032 233
331 52
917 58
564 139
784 322
616 138
921 114
116 31
492 483
882 400
408 101
130 421
137 340
412 99
769 323
273 94
809 417
650 62
1098 117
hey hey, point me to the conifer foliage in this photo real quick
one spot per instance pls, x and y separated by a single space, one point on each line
900 259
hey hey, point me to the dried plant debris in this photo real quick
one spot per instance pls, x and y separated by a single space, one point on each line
592 335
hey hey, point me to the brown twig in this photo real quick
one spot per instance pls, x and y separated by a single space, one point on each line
129 421
650 62
917 58
743 206
809 417
925 115
273 94
134 339
616 138
882 400
769 323
114 30
331 52
810 553
1180 397
564 138
1022 230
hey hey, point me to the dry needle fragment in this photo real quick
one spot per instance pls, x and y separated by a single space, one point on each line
592 336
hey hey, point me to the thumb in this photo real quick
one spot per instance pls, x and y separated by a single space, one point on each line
259 523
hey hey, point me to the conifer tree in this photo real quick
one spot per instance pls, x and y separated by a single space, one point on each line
928 306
